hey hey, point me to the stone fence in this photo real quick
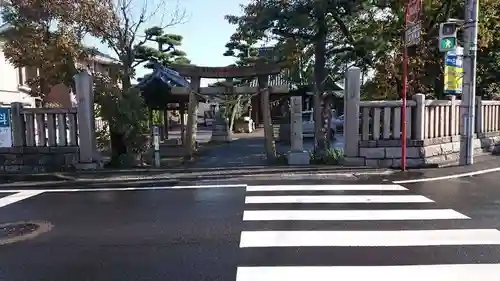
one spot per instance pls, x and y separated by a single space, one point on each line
433 131
52 139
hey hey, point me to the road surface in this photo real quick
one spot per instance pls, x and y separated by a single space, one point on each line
257 230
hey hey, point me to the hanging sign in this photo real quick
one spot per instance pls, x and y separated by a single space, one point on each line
453 72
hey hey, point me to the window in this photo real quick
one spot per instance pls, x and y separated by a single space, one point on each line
26 73
31 73
20 76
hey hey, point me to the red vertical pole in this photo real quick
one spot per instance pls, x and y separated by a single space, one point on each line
403 96
403 109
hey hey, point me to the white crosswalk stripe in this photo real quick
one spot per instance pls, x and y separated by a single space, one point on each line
319 218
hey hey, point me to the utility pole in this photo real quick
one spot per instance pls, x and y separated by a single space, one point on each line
469 87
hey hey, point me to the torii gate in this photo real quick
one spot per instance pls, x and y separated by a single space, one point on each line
195 73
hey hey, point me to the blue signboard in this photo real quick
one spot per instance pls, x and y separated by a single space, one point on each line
453 72
5 128
4 117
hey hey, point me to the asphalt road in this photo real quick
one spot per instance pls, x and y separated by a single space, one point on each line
286 230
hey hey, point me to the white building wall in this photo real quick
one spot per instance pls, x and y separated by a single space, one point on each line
9 85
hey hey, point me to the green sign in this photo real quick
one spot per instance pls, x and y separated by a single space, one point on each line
447 43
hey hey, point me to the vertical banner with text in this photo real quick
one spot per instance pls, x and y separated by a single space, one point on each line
5 128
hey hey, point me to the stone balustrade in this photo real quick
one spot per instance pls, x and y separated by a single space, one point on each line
434 132
53 139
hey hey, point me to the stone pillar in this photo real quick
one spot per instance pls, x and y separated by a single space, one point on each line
220 128
86 122
165 124
18 125
351 112
479 126
453 116
297 154
192 118
182 114
419 117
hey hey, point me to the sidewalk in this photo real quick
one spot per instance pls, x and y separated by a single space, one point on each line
483 164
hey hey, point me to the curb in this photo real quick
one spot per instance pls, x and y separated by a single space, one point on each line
175 178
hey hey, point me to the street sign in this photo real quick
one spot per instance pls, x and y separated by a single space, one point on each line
5 128
453 71
413 13
413 34
413 25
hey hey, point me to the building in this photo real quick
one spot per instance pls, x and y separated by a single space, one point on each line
13 87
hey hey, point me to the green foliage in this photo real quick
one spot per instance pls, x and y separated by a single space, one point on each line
333 156
309 34
125 112
426 66
165 51
299 28
47 36
103 138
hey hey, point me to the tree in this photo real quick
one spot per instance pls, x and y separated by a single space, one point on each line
166 52
123 37
317 29
426 66
126 114
47 36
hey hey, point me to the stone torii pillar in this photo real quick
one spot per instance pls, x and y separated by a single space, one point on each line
192 123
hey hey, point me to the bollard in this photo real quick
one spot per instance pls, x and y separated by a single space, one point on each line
156 142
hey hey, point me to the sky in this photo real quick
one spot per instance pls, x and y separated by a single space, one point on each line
204 34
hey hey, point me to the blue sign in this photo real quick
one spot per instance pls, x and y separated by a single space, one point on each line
453 72
4 117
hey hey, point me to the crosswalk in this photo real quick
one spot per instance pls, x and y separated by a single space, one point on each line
360 232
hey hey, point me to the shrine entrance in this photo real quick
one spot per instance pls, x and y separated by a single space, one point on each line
261 88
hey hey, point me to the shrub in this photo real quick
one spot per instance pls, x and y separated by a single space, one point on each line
331 157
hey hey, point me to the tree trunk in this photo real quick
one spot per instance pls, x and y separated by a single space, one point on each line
320 77
118 144
266 116
233 113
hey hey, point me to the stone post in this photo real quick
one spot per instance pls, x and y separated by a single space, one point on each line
182 121
419 117
297 154
351 113
165 124
453 114
266 117
479 116
85 117
220 128
18 125
192 123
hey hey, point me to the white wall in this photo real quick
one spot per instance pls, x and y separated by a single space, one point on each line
9 84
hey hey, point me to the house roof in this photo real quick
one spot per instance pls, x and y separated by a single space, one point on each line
98 56
165 76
